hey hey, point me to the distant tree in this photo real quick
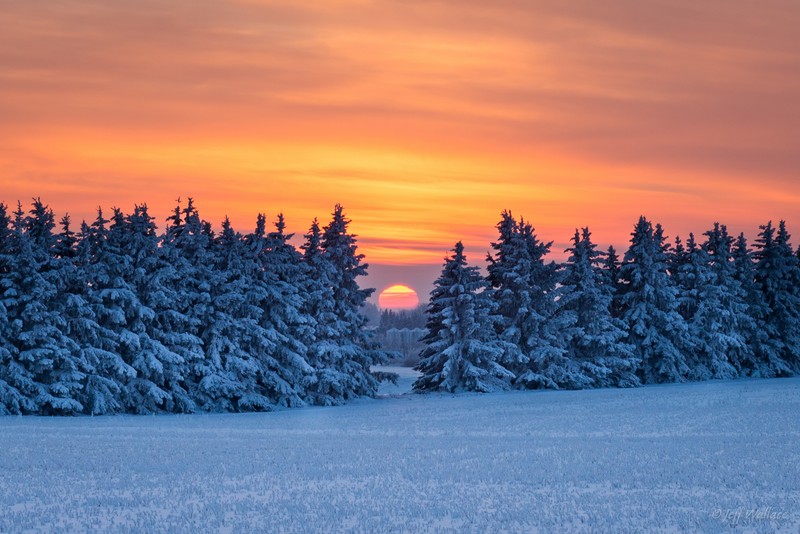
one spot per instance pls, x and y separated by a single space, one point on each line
597 349
462 352
648 297
414 318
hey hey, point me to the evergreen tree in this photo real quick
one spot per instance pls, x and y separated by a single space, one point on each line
524 290
47 368
318 308
66 241
765 358
102 365
132 322
17 388
688 267
655 328
720 316
346 362
778 278
185 310
283 273
597 350
167 330
462 352
234 337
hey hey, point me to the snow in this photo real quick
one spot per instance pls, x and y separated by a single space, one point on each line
681 457
405 380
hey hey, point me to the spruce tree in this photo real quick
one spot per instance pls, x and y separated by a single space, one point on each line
153 281
17 388
720 319
184 311
234 338
283 271
649 308
132 320
462 352
353 352
598 354
688 267
777 277
93 328
324 387
45 355
525 290
764 352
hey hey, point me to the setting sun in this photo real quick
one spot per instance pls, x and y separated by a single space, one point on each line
398 297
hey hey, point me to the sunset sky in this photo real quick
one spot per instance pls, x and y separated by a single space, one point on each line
425 119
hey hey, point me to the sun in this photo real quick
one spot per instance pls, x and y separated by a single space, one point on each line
398 297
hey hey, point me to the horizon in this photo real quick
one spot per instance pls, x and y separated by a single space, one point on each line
419 277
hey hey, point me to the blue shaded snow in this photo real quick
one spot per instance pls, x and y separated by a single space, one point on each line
705 457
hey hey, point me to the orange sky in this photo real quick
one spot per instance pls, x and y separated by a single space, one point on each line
425 119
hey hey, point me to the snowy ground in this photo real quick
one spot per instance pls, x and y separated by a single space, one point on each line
700 457
405 380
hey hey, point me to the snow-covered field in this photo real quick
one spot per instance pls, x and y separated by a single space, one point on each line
699 457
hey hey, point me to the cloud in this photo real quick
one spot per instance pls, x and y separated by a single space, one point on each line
425 118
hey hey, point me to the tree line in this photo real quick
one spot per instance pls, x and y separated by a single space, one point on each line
119 318
663 313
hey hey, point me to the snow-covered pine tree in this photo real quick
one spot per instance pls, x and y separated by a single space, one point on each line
96 348
66 240
688 268
326 386
282 273
92 329
155 283
348 359
43 350
720 315
462 351
524 290
131 320
759 335
184 274
656 330
779 280
234 338
17 387
72 304
792 331
269 301
598 353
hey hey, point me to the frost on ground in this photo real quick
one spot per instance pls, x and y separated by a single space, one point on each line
705 457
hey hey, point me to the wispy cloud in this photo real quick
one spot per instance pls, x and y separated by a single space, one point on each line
425 118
